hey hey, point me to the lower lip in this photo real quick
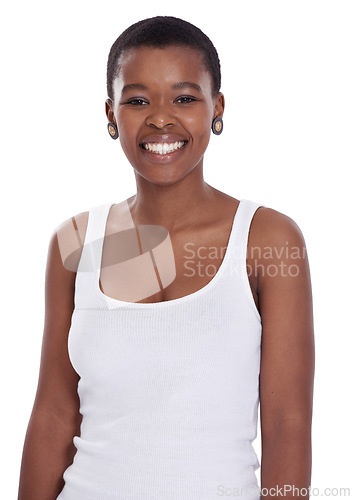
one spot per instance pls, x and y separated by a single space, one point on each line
167 157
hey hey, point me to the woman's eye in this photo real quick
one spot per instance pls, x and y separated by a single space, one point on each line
137 102
185 99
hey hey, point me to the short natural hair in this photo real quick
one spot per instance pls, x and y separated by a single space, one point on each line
160 32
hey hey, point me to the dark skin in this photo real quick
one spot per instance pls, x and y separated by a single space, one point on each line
173 194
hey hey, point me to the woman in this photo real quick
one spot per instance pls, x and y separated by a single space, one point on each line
177 311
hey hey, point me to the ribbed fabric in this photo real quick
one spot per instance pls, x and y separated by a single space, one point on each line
169 391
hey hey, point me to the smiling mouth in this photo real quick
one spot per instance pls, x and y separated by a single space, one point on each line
163 148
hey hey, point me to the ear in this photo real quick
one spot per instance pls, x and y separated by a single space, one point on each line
109 110
219 105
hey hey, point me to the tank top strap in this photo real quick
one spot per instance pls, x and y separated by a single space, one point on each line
243 219
89 263
236 266
238 242
94 237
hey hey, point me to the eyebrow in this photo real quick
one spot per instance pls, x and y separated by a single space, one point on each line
182 85
175 86
137 86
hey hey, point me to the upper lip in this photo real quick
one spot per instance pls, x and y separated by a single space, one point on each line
163 138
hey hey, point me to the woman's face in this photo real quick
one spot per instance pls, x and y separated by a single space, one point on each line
163 107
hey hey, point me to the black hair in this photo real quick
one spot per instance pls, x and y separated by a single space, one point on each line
160 32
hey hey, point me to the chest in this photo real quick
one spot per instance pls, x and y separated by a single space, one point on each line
151 265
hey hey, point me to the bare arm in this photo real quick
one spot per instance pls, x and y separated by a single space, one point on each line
55 419
288 360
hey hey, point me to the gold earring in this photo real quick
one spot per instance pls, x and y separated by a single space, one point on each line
113 130
217 125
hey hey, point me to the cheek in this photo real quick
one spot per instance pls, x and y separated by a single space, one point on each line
128 127
126 122
204 140
198 125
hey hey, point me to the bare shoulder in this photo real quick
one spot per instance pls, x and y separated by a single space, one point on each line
276 246
70 236
270 226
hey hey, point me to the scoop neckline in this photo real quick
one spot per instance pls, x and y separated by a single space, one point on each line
164 303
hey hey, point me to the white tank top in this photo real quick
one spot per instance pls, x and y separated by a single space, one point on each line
169 391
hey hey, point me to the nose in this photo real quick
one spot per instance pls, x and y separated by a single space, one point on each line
160 117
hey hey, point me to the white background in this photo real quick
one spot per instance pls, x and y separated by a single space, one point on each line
287 80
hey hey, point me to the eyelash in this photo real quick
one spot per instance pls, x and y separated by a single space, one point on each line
190 99
186 97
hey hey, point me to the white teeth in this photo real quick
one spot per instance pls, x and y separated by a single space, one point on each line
163 148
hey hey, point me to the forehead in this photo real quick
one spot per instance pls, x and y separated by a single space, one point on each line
159 67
